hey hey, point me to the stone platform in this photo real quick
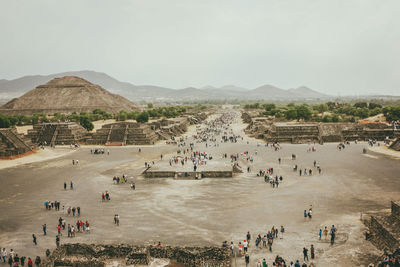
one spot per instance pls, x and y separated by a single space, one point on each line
57 133
385 227
215 168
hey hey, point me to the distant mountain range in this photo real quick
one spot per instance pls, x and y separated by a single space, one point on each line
17 87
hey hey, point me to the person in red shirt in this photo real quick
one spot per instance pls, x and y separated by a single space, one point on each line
59 229
30 262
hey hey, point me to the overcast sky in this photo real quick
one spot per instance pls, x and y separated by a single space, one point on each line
333 46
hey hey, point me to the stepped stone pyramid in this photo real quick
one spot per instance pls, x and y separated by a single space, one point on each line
293 133
13 144
57 133
124 133
66 95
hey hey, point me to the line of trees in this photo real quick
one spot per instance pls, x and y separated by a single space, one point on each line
86 118
329 111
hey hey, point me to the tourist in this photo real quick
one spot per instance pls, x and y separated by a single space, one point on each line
34 239
37 261
305 254
57 241
71 185
282 231
247 259
270 244
264 263
245 244
4 255
320 234
326 233
22 259
333 234
65 186
312 251
240 247
30 262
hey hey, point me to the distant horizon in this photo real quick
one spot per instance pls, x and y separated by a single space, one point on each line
203 87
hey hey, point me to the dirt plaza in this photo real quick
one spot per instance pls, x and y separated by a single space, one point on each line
205 211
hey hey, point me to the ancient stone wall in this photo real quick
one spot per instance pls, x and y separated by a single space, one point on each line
314 132
385 228
77 255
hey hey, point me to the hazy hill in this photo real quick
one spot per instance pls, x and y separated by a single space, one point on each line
15 88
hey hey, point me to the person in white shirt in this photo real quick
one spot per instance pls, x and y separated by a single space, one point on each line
4 255
245 244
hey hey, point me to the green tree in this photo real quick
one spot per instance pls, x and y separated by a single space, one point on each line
374 105
86 123
303 112
4 122
291 114
392 113
361 105
143 117
361 112
150 105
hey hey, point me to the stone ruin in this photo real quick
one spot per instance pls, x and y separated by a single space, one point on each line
290 132
123 133
13 145
168 129
395 145
133 133
118 133
384 227
83 255
57 133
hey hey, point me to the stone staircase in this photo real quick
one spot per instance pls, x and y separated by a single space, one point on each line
11 144
293 133
124 133
63 133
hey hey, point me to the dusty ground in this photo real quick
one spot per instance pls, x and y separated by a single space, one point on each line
208 211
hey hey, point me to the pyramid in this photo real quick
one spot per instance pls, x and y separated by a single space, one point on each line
66 95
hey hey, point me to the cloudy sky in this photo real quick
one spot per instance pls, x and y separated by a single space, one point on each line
337 47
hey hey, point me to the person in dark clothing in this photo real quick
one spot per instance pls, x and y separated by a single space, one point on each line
10 261
305 253
16 259
44 229
23 261
247 259
34 239
37 261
